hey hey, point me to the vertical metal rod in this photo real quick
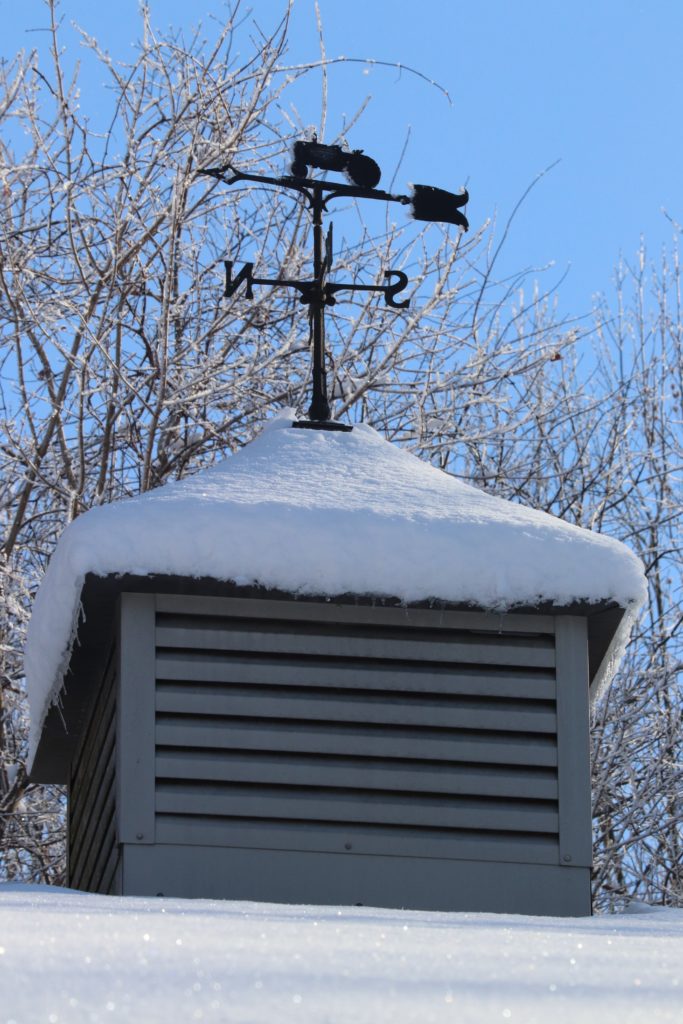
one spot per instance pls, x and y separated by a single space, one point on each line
319 408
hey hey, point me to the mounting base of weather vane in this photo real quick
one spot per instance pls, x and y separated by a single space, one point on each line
322 425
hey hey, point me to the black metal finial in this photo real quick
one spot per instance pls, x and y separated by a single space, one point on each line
363 174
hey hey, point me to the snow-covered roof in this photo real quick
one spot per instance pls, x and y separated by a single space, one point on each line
326 513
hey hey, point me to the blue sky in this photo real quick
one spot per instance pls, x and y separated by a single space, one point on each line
596 85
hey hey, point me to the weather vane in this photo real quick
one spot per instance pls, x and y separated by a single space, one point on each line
427 203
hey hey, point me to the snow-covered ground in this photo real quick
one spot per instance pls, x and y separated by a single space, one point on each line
72 957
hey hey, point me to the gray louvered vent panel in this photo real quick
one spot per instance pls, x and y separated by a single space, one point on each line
386 732
93 852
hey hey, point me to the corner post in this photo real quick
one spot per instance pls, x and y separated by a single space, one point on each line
573 746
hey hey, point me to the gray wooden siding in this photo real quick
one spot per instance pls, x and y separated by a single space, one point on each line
333 728
93 850
573 744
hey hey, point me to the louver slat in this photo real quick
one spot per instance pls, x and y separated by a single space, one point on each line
358 741
494 652
224 608
213 667
411 776
336 806
388 709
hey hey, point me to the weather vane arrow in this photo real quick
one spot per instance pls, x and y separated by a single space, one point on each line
427 203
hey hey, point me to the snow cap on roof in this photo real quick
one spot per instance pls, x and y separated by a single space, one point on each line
325 513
